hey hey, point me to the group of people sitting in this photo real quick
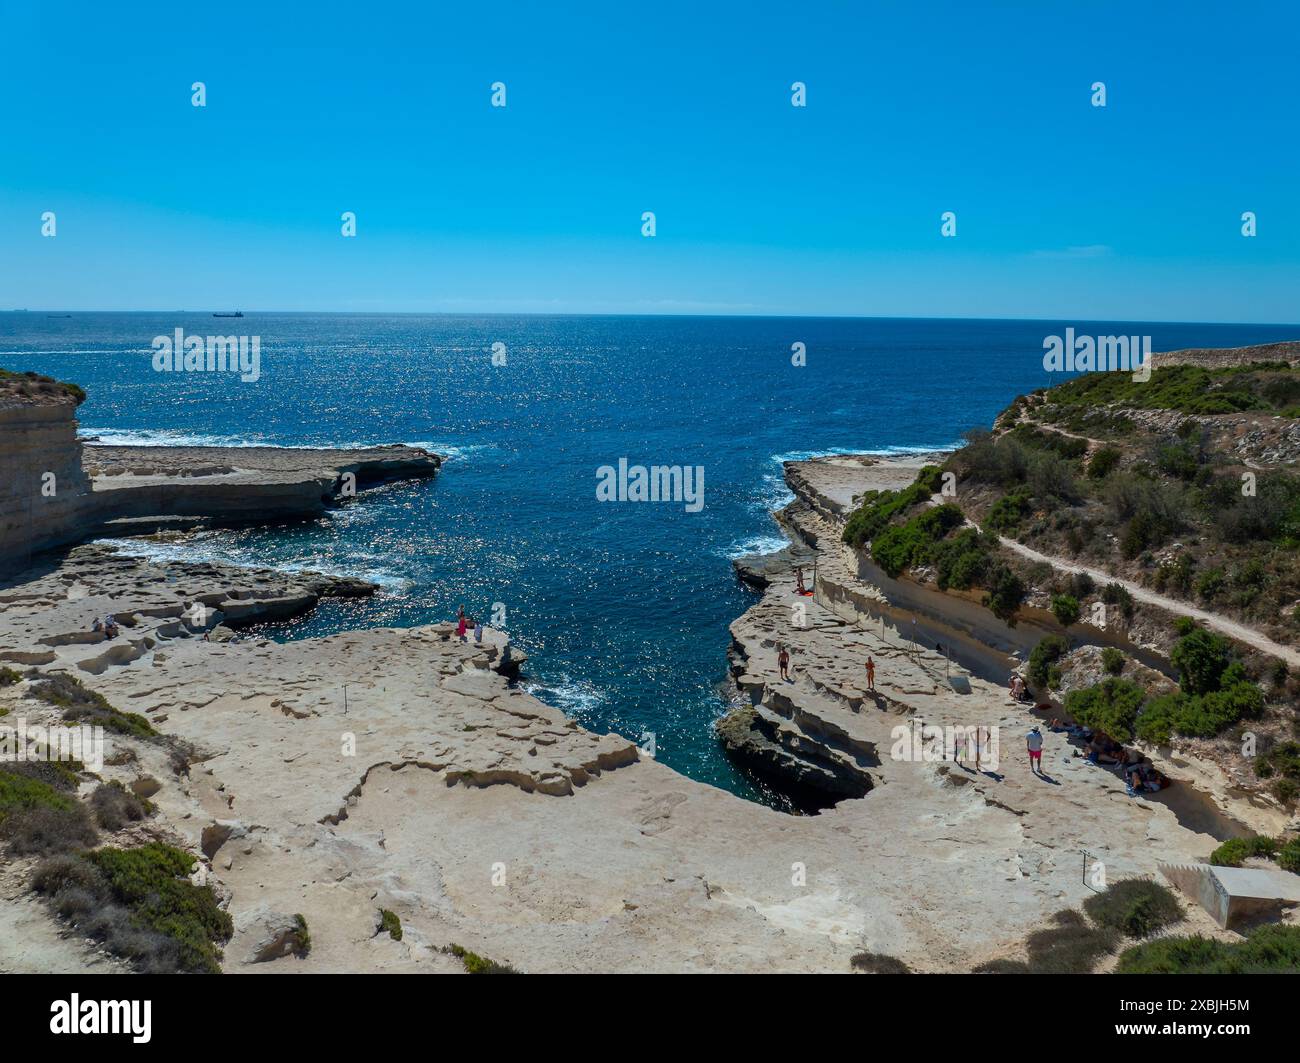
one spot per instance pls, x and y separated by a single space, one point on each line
1143 777
107 625
1140 775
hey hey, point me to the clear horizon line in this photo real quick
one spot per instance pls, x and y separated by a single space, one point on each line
664 314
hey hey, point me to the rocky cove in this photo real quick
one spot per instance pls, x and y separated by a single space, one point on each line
401 770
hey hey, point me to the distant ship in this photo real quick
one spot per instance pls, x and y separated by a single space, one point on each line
237 313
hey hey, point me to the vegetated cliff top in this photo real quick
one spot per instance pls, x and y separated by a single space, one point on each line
1186 483
32 389
1185 490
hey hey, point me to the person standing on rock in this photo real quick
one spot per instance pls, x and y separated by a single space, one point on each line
871 675
1034 743
783 662
461 623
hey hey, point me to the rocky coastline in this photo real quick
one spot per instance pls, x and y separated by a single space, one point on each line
401 773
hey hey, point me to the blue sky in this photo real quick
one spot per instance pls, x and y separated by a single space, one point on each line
1063 210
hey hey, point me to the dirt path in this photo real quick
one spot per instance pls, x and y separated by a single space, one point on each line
1222 624
1248 635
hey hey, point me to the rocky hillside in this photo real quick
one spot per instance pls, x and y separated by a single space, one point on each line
1156 521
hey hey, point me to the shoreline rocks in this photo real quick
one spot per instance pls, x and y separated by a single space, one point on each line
56 490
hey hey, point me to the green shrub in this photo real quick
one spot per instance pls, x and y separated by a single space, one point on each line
80 704
1113 660
389 922
1282 760
1065 608
1103 462
1118 594
879 508
1288 857
1007 512
1201 658
1111 706
1270 949
1235 851
8 677
152 883
476 964
302 936
1005 593
1048 651
38 814
902 546
1134 907
960 561
1211 584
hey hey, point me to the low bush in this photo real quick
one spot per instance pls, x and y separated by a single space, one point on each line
1201 658
1007 512
1113 660
1270 949
476 964
38 814
115 806
82 705
389 923
1065 608
1103 463
1134 907
878 963
1235 851
152 884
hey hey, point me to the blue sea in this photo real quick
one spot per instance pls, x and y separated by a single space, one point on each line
623 607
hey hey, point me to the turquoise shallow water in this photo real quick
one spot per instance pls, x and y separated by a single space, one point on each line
623 607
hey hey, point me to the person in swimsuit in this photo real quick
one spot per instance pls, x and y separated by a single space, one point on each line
871 675
798 575
783 660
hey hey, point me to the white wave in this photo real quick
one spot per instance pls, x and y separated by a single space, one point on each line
162 437
773 493
218 551
573 697
754 545
877 452
452 451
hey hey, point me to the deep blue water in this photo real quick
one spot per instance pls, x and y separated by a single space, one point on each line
623 607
